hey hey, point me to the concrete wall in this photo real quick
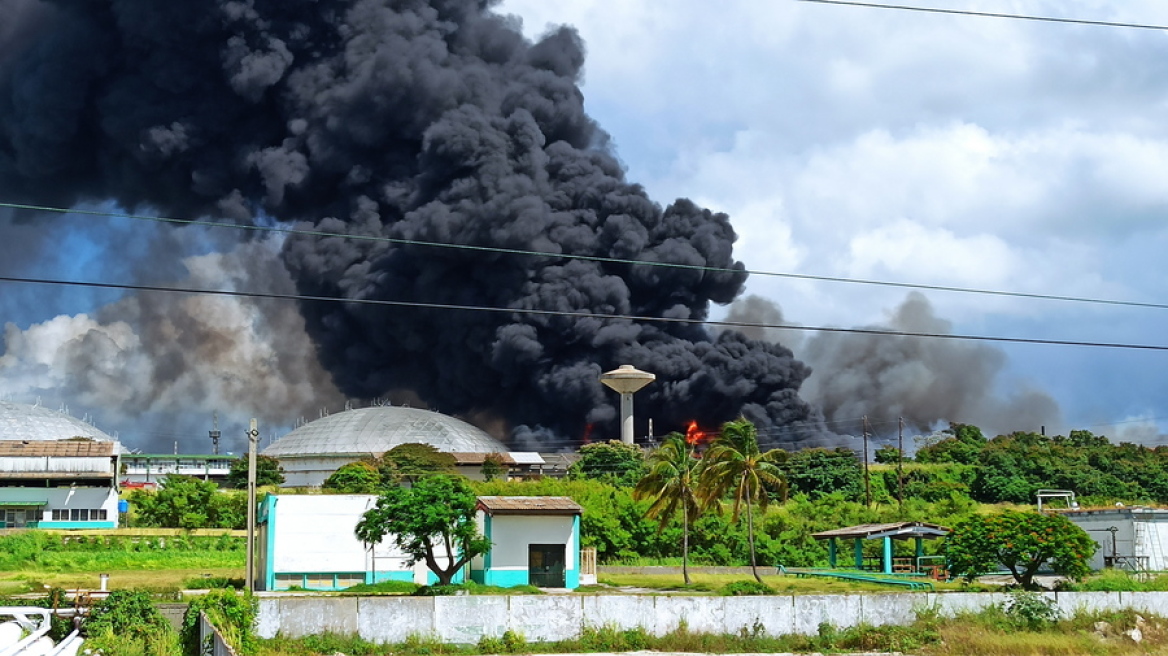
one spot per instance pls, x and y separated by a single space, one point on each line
557 617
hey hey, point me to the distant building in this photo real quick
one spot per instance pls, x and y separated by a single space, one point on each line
58 484
56 471
148 470
312 452
1133 538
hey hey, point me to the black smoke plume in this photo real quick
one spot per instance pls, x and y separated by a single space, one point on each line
428 121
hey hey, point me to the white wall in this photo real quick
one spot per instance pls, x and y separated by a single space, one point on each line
559 617
314 533
512 534
65 498
1096 525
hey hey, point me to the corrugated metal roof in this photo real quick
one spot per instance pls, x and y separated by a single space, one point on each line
57 448
893 530
530 506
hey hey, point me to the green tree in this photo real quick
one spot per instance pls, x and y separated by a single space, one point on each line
734 464
186 502
493 466
887 455
268 472
817 472
414 461
670 483
433 521
614 462
1021 542
360 477
963 447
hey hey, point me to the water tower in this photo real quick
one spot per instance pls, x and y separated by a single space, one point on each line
627 379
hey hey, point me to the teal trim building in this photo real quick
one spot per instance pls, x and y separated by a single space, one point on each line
534 541
307 542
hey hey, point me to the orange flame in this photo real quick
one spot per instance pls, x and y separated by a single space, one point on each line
695 436
587 437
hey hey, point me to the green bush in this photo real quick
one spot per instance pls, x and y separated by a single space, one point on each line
126 613
746 588
233 614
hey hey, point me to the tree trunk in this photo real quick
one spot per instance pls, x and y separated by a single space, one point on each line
685 540
750 536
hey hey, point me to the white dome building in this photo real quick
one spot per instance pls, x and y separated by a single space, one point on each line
311 453
33 423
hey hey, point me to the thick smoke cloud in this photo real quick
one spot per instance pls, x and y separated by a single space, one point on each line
406 120
928 382
159 364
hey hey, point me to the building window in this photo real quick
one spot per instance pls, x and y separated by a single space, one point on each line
79 515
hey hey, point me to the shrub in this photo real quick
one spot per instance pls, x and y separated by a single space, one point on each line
233 614
745 588
126 613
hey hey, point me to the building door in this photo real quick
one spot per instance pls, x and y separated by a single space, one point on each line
545 565
16 518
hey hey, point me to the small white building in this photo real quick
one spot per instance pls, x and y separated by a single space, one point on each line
67 483
534 541
1134 538
309 542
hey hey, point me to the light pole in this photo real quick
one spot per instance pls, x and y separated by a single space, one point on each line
253 436
627 379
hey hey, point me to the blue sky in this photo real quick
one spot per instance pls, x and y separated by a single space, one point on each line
936 149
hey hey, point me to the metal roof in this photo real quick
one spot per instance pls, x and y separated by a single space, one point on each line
57 449
19 421
529 506
376 430
895 530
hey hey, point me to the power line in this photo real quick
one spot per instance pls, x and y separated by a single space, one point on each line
988 14
587 258
579 314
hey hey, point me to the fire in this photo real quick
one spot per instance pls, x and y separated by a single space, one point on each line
695 436
587 437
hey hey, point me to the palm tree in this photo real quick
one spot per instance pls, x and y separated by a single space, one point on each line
670 482
734 465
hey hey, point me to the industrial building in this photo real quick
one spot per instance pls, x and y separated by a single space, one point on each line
55 471
312 452
1132 538
308 542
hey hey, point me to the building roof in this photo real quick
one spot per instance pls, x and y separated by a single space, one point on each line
373 431
19 421
529 506
895 530
56 449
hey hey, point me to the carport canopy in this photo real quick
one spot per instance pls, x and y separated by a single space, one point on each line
918 531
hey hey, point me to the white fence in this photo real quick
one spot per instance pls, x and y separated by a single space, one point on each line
464 619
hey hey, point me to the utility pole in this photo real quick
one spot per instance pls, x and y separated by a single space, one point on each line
253 435
900 465
867 480
214 434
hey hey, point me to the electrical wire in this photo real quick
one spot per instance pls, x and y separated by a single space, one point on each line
587 258
987 14
581 314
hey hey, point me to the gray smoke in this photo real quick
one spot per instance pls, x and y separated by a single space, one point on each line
928 382
412 120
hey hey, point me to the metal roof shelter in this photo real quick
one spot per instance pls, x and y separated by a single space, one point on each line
917 531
